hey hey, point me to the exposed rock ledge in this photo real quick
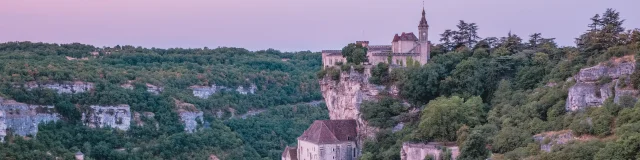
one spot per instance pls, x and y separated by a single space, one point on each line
343 99
108 116
65 87
205 91
189 115
595 84
418 151
549 139
23 119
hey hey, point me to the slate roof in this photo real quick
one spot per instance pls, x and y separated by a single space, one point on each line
291 151
330 131
423 21
379 47
405 37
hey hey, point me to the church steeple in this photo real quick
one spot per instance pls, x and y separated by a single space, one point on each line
423 28
423 21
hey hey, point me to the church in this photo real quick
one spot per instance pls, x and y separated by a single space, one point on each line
404 46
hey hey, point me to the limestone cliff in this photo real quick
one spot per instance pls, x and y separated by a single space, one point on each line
64 87
595 84
23 119
549 139
418 151
189 115
108 116
3 127
344 96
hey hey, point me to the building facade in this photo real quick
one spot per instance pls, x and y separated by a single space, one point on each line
404 47
327 140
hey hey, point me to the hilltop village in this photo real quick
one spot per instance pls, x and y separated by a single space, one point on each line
342 137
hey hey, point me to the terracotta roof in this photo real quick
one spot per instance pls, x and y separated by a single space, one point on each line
330 131
291 151
405 37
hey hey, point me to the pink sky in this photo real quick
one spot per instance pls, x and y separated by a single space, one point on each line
288 25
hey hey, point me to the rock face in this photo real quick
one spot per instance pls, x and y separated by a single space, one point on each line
3 127
189 115
418 151
108 116
150 87
66 87
343 99
23 119
548 139
205 91
595 84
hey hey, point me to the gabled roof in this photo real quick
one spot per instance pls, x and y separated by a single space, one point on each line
405 37
291 152
330 131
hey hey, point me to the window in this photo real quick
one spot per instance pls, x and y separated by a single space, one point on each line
354 152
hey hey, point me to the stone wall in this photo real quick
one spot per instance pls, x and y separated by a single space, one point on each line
23 119
549 139
108 116
418 151
343 99
65 87
344 151
595 84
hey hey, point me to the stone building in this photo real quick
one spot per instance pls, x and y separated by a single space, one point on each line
290 153
327 139
404 47
418 151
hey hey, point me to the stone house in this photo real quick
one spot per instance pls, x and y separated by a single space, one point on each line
403 47
327 140
290 153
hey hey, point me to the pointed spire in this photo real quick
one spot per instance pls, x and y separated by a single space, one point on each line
423 21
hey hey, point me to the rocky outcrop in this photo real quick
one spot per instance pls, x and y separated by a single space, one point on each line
3 127
549 139
205 91
418 151
65 87
343 98
596 84
190 116
23 119
137 118
150 87
248 90
118 117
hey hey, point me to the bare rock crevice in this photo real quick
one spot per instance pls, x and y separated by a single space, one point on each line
344 96
596 84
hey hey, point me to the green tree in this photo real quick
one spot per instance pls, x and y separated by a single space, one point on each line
443 116
474 148
355 53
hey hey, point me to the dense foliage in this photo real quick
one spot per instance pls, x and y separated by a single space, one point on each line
491 95
281 79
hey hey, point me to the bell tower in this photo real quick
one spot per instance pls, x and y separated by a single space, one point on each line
423 28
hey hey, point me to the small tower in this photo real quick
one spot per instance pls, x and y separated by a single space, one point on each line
79 156
423 28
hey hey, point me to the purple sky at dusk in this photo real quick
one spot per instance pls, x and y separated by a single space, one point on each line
289 25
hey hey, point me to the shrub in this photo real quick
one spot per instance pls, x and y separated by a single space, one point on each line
359 68
334 74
